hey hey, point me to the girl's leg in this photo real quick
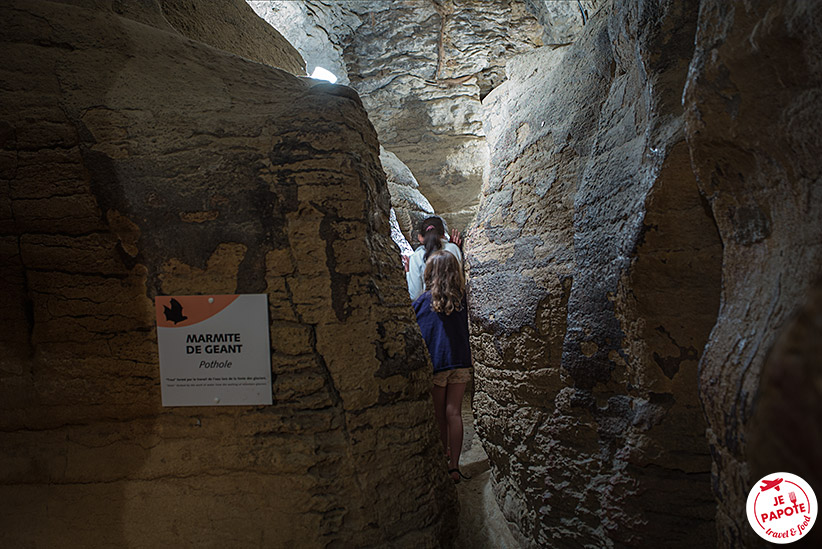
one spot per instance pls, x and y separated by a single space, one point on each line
438 394
453 415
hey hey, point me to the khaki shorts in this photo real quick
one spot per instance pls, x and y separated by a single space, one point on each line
457 375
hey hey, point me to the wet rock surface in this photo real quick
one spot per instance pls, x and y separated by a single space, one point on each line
137 163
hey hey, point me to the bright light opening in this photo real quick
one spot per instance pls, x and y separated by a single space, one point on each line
323 74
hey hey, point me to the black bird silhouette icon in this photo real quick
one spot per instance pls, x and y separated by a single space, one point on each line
175 312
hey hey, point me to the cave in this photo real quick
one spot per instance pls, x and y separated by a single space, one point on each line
638 185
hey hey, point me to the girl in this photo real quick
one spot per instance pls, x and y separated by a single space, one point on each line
443 318
432 237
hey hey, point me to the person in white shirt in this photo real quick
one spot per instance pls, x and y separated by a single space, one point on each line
432 237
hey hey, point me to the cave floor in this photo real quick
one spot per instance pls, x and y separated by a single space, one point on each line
481 523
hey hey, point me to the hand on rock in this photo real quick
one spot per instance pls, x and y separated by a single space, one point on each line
405 259
456 237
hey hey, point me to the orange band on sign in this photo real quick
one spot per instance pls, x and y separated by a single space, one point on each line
177 311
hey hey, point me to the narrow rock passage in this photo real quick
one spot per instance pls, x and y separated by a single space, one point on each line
481 523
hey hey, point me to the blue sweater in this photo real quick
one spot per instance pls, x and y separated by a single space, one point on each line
445 335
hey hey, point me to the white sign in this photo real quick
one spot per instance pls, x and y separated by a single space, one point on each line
214 349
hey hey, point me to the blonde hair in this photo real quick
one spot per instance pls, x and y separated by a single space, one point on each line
443 278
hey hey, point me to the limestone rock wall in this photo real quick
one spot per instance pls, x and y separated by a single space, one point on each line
645 277
562 20
421 69
409 204
232 26
595 282
318 29
229 25
754 127
134 163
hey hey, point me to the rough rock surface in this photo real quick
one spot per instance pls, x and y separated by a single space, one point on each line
136 163
315 28
229 25
421 69
754 129
595 279
410 205
562 20
232 26
482 524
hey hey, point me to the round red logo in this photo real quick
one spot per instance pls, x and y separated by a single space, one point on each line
782 508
